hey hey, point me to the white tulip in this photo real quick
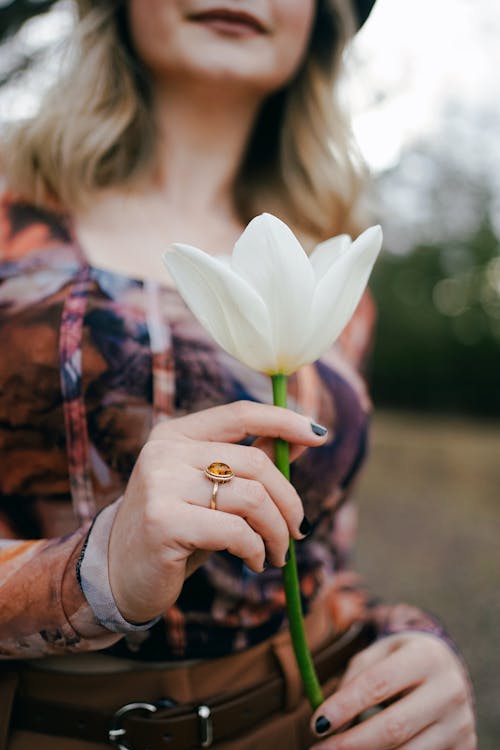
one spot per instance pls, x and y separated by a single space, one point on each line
269 304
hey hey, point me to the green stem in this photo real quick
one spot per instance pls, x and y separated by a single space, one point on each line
290 574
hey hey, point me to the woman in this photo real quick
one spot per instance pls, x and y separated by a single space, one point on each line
180 120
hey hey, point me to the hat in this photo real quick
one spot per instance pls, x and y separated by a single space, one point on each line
362 9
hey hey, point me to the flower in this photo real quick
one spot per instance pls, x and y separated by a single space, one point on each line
276 309
269 304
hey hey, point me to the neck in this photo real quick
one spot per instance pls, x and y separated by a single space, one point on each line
203 134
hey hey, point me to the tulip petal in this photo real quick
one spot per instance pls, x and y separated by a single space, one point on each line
225 259
338 293
327 253
273 262
224 304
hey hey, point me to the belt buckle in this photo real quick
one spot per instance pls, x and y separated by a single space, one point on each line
206 730
116 731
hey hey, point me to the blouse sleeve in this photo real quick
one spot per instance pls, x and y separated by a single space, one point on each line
42 608
93 575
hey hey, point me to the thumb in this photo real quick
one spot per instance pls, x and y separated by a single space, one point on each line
198 558
268 446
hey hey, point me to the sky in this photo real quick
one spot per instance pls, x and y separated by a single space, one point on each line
415 58
424 85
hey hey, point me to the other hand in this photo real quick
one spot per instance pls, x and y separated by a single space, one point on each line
430 702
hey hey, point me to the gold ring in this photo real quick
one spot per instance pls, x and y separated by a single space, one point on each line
218 473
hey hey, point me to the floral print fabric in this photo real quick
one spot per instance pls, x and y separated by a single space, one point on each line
90 360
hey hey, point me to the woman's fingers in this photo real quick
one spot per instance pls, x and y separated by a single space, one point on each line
431 737
151 547
436 737
423 681
377 683
235 421
165 511
251 463
249 500
392 727
214 530
422 720
376 652
267 446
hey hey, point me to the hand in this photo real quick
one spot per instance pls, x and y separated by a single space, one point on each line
164 528
431 703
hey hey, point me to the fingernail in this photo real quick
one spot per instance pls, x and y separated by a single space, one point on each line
305 527
322 725
318 429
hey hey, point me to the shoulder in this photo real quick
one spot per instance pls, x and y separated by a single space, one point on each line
26 228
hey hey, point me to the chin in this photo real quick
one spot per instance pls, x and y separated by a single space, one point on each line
258 45
231 76
228 64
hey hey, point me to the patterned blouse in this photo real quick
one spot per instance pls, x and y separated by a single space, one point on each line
90 359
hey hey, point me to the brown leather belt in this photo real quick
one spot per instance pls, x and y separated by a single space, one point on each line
163 726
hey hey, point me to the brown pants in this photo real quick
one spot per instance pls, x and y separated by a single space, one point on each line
108 691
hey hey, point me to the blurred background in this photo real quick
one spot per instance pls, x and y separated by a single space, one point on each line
423 84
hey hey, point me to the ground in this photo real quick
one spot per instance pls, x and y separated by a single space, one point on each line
429 533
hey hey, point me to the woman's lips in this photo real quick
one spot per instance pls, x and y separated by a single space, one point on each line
225 21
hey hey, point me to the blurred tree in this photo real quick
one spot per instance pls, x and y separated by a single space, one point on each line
438 343
438 283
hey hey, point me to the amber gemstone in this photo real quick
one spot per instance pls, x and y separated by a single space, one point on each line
219 470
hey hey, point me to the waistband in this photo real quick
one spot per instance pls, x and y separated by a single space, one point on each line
190 703
99 675
148 719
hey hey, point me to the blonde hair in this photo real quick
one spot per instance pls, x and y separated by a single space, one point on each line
95 130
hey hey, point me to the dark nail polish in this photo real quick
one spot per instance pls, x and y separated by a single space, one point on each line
305 527
318 429
322 725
